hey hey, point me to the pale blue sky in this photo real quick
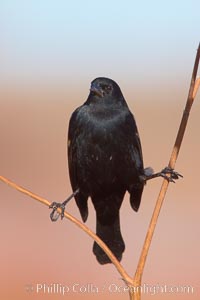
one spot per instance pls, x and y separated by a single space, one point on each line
64 40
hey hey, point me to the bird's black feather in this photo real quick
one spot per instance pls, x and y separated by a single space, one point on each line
105 161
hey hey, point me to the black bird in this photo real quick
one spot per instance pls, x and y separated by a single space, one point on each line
105 160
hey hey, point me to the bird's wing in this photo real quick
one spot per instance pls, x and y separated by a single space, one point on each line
132 146
135 161
73 135
73 132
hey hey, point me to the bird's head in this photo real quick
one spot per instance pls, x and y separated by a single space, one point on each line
105 88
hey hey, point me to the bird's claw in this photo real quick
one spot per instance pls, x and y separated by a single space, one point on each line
169 174
55 205
54 214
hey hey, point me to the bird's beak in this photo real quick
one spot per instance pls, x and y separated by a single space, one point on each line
96 89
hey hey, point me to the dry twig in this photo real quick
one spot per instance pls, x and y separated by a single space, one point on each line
118 266
191 95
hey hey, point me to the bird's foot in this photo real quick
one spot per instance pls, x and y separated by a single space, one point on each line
55 205
55 214
167 173
170 174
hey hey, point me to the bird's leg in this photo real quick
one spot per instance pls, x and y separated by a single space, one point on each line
167 173
54 205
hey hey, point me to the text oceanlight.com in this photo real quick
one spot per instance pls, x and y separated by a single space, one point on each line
90 288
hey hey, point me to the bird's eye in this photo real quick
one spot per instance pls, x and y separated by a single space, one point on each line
106 88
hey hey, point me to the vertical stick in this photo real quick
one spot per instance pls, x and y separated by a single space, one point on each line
192 92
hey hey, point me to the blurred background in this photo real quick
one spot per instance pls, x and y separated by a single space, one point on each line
50 52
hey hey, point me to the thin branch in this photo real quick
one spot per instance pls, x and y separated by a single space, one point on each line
44 201
196 87
192 93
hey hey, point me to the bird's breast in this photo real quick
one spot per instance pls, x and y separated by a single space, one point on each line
102 148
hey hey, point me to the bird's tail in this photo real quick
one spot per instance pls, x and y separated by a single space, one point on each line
111 235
